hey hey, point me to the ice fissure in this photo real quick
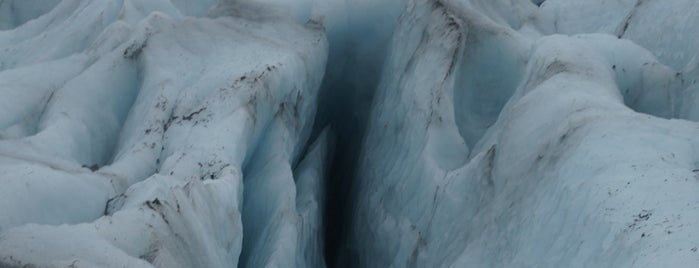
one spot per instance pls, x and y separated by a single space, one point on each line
280 133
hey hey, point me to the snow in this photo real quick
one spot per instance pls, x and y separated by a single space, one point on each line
442 133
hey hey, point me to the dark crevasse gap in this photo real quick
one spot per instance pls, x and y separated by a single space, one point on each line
344 105
353 72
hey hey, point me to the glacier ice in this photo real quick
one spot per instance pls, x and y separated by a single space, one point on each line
136 140
553 170
315 133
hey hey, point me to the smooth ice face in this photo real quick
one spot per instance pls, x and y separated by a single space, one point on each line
314 133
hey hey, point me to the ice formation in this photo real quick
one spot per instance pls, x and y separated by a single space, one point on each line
315 133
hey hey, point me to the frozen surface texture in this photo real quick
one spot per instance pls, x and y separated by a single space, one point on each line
133 135
314 133
491 144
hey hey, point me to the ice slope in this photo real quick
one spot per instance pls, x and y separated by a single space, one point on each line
573 171
14 13
135 135
664 28
642 21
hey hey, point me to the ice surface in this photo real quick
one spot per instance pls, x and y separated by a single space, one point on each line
566 174
663 28
314 133
16 12
129 128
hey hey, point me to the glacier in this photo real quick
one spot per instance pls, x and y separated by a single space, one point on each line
335 133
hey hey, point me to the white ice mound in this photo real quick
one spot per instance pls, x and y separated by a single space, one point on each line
132 135
567 174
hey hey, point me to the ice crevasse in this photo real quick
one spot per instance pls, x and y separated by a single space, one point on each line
416 133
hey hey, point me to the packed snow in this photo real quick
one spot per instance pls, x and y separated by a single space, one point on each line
316 133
